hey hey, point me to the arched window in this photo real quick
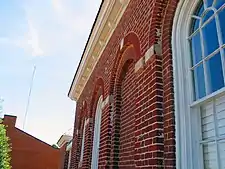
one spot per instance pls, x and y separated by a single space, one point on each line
82 143
199 69
96 140
207 40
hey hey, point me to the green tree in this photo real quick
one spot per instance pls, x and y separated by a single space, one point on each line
4 149
55 146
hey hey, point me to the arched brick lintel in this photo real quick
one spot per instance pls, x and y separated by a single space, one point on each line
167 64
132 38
167 25
127 56
82 115
130 50
98 91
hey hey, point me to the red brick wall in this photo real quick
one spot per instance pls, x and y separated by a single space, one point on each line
29 152
127 117
66 160
144 97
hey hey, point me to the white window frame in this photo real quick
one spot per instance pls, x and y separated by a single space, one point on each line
69 161
97 128
82 143
188 153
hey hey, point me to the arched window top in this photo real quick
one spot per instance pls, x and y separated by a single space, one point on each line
207 40
213 3
198 44
97 131
205 10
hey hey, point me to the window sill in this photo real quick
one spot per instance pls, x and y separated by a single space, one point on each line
208 98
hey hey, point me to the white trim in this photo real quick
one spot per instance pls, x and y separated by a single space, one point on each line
139 64
87 121
109 16
83 141
121 43
69 147
107 100
97 134
64 139
189 154
154 49
182 83
69 161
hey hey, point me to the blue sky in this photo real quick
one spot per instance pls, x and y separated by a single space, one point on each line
50 34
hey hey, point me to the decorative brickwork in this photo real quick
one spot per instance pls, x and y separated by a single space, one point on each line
135 77
66 160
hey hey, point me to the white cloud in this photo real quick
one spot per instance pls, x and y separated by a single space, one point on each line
55 26
33 42
59 28
29 42
9 41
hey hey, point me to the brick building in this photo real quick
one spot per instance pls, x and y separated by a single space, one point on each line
65 142
29 152
150 87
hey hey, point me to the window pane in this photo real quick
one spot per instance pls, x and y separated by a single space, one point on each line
209 154
196 49
196 23
199 82
222 24
209 3
222 154
215 73
207 15
210 37
200 10
219 3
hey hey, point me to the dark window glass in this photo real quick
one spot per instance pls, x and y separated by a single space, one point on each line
210 37
207 16
222 23
196 49
196 23
215 73
215 79
200 10
219 3
199 82
209 3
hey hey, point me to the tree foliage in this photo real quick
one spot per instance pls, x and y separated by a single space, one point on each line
55 146
4 149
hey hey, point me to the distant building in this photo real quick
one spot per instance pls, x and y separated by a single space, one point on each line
29 152
65 142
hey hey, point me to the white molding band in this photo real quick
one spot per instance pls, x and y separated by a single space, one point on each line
154 49
182 86
108 100
86 121
139 64
69 147
121 43
108 18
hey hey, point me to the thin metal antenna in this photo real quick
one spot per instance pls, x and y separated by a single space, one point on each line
29 97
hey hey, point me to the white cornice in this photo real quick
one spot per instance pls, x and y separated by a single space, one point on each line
107 20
